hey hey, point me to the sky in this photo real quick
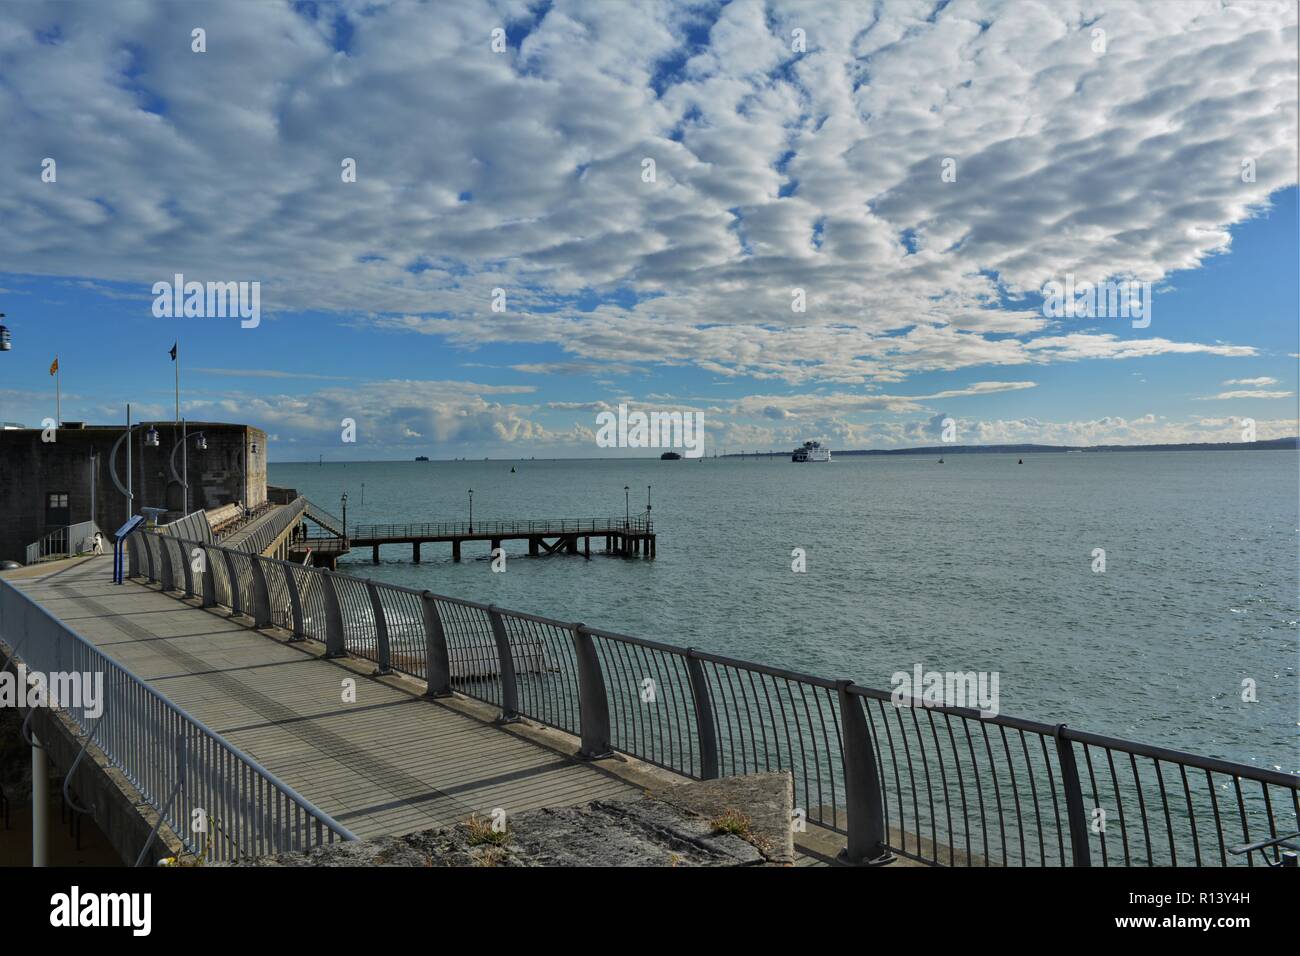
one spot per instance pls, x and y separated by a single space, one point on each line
651 187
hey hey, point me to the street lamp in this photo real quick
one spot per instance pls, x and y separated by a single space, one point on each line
627 508
151 437
471 511
200 443
344 500
647 501
5 342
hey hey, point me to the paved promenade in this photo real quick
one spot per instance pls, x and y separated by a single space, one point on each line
389 763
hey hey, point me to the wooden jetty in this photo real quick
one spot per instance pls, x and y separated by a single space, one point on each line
629 536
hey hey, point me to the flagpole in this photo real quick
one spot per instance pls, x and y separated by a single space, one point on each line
178 380
58 393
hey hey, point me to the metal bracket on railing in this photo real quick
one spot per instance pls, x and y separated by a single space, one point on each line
181 760
863 805
381 630
506 668
1073 798
705 730
67 780
437 666
1289 855
593 704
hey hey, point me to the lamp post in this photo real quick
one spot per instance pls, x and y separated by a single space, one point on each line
647 501
344 501
6 342
471 511
128 490
627 508
200 444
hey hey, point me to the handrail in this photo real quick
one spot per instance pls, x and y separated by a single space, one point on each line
174 759
636 524
942 785
61 541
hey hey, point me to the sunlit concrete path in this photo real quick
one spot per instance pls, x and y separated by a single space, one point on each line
389 763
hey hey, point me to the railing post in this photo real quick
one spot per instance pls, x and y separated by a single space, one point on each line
168 580
295 601
863 805
506 667
151 572
1073 798
186 567
133 555
705 731
437 665
381 628
593 705
334 640
261 593
209 580
236 602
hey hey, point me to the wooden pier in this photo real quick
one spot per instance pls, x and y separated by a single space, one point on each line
632 536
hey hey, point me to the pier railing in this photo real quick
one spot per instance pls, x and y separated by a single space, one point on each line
183 770
942 785
635 524
62 542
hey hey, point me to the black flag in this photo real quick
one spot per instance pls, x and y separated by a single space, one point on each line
173 351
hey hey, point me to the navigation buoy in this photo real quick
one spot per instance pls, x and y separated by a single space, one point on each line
512 469
941 461
1020 461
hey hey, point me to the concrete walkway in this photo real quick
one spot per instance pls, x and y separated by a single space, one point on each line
389 763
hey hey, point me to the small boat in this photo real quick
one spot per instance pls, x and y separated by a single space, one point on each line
670 456
811 451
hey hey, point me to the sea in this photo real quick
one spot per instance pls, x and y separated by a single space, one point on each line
1146 595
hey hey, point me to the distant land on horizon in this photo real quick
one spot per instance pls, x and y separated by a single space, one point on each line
1271 444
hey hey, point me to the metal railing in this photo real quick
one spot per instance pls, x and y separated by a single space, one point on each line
178 764
254 538
636 524
61 542
942 785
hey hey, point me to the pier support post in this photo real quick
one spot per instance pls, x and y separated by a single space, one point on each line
1073 799
334 642
374 559
705 731
496 543
437 666
415 552
455 550
593 704
261 593
862 797
506 668
381 630
532 546
586 546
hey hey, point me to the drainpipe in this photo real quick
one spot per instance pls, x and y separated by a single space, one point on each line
40 805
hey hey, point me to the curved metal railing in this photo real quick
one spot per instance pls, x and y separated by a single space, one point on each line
943 785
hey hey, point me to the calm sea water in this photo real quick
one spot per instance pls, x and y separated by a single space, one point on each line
977 564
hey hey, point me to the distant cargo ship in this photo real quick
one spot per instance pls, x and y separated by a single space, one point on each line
421 457
670 456
811 451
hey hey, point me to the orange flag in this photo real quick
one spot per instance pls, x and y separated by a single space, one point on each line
54 366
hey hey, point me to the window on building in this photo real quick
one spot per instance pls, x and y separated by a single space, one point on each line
56 508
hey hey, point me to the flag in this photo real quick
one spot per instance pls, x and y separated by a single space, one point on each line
54 366
173 351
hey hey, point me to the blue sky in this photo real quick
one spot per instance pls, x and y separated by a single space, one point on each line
776 169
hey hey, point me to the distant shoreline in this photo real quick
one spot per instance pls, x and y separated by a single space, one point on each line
1273 444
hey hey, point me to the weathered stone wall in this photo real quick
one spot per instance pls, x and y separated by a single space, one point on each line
30 469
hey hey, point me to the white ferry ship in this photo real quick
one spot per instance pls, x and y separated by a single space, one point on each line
811 451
